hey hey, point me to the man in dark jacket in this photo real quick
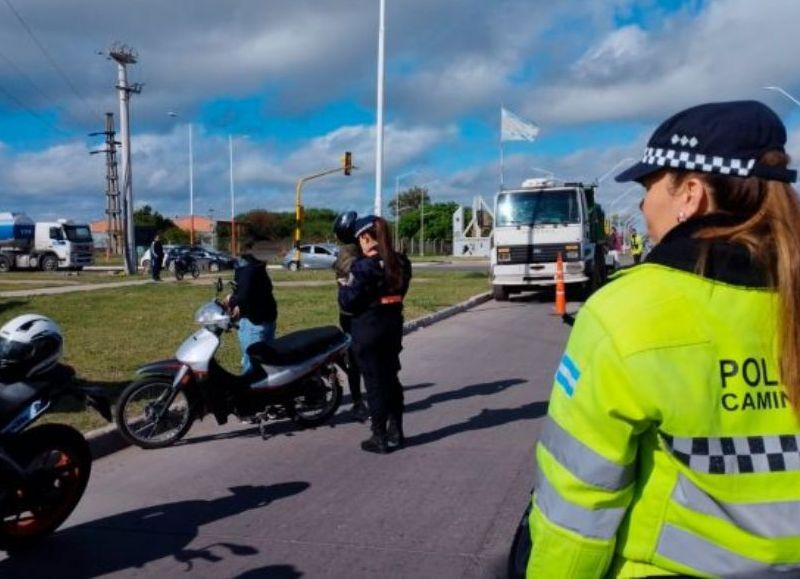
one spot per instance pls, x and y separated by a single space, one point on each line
252 301
156 257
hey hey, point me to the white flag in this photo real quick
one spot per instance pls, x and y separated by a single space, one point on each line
514 128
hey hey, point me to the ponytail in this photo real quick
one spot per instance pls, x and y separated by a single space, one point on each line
393 270
770 230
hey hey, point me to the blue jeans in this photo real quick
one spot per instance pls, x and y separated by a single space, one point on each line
250 333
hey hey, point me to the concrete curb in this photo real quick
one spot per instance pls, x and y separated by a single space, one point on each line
424 321
107 440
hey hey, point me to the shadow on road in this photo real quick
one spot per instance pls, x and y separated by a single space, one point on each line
271 572
487 418
482 389
134 538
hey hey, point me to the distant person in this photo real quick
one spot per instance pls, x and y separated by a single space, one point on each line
156 257
614 246
637 246
672 439
252 302
374 294
343 227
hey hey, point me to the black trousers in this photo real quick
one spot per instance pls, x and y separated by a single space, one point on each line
353 370
155 267
377 342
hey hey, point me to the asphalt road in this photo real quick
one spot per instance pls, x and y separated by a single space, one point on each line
310 503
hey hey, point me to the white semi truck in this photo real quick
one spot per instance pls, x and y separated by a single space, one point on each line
537 222
45 245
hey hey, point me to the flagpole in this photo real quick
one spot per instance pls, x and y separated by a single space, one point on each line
501 146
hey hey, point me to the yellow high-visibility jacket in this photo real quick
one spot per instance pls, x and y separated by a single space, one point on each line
670 446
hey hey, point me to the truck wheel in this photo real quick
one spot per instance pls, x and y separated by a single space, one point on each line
49 263
500 293
5 264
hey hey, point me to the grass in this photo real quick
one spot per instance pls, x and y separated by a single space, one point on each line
109 333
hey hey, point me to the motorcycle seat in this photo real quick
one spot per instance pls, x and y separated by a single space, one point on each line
15 396
296 347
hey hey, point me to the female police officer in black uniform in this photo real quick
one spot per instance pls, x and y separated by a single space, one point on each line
374 294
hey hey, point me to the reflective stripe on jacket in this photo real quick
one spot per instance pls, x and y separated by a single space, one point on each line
670 445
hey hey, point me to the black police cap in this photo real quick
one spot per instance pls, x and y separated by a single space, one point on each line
725 138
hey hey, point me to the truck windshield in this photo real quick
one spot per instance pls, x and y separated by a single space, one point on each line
78 233
546 207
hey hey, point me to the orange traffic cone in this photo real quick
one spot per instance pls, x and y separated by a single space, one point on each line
561 298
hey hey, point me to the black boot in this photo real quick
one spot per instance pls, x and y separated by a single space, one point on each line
394 433
378 442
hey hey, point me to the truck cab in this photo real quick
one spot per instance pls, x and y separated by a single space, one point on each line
536 223
69 243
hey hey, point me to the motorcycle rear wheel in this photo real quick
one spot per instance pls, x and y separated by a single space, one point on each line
142 418
195 271
60 462
178 273
321 401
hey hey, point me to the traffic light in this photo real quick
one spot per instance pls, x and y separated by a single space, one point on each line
347 163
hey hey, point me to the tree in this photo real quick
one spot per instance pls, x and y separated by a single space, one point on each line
409 200
438 222
146 217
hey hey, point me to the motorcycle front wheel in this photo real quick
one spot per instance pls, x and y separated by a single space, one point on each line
178 273
320 399
195 271
151 414
58 461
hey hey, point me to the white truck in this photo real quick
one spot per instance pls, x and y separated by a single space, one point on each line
538 221
45 245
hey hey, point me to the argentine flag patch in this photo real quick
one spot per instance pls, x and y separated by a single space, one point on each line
567 375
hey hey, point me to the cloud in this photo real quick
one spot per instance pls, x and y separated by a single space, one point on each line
728 51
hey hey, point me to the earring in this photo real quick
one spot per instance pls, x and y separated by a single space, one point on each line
681 217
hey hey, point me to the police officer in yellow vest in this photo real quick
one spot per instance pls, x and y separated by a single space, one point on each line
672 441
637 246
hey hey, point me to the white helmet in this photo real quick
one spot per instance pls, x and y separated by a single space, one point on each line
29 345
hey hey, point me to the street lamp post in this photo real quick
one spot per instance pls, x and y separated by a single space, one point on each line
614 168
191 182
397 205
422 216
233 199
784 93
379 120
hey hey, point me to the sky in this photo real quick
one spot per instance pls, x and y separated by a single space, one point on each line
293 82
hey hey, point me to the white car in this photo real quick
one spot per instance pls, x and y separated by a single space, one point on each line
144 261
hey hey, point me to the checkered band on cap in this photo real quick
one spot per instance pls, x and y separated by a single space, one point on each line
736 455
697 162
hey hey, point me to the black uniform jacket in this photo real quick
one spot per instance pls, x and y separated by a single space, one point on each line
367 285
253 292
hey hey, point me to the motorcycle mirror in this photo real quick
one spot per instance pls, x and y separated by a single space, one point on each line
219 285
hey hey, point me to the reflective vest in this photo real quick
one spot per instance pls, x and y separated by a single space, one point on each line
670 445
636 244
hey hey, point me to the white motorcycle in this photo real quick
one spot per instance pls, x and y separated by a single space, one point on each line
295 376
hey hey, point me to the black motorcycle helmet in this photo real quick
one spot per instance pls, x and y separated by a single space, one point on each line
344 227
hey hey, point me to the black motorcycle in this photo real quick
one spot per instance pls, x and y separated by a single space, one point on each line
43 470
295 376
183 264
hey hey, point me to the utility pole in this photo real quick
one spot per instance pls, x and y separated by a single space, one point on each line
379 120
113 208
124 56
